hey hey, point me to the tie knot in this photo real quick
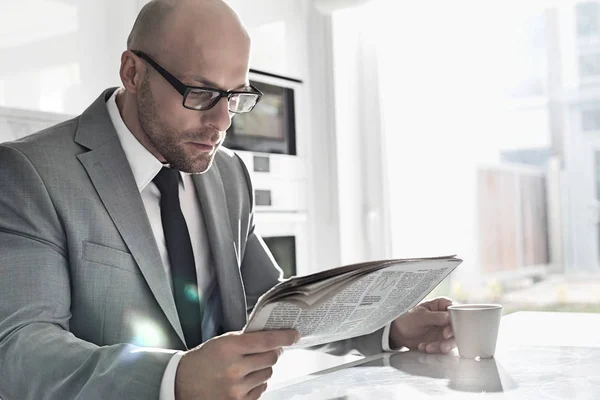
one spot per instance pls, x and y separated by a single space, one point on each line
167 181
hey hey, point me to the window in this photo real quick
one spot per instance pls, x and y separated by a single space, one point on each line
590 119
589 65
597 173
597 179
588 20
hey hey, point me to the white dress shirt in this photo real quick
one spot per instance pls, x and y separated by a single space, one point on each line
145 167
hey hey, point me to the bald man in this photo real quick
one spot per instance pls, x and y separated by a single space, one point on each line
128 256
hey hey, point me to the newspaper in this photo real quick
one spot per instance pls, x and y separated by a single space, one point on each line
348 301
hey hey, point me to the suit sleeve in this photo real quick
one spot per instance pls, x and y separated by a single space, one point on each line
39 357
259 262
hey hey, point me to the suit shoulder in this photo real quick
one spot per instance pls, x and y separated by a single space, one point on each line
232 168
225 152
59 136
227 158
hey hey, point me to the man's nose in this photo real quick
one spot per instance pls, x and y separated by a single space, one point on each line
219 116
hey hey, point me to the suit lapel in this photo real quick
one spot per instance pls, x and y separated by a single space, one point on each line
211 193
109 171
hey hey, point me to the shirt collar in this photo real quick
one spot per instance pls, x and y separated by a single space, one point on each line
143 164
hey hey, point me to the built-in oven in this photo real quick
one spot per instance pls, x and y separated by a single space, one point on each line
285 235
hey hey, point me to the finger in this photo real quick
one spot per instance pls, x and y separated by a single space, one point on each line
443 347
257 378
448 333
263 341
436 318
433 347
437 304
447 345
256 362
255 393
443 303
421 346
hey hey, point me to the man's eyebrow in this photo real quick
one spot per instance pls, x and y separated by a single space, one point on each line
211 84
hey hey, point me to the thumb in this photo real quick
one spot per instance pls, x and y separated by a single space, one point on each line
437 318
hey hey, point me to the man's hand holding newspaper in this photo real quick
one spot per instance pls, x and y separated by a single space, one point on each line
358 299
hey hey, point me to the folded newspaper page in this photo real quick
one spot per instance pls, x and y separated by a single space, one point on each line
348 301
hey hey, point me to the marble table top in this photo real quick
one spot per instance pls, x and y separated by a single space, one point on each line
539 356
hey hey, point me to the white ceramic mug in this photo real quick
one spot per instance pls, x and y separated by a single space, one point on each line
475 328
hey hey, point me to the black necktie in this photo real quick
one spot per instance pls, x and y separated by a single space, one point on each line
181 256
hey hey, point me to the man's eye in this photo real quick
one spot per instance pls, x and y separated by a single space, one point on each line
202 95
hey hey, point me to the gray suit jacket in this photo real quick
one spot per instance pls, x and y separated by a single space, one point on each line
81 278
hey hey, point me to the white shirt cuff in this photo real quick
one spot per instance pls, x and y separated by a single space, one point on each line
385 340
167 385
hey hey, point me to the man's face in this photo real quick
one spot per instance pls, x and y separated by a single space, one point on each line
189 139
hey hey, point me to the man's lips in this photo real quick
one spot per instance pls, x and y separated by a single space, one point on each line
202 146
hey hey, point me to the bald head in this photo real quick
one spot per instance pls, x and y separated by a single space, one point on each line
149 24
162 24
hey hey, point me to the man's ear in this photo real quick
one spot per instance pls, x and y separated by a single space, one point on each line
132 71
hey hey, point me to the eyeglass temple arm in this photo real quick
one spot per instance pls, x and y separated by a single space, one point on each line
176 83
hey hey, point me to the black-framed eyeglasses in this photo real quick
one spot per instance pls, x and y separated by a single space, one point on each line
204 98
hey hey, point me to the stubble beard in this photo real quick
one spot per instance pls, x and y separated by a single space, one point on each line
172 144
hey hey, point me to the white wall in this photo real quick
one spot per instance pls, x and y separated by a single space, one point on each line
59 55
364 232
350 159
279 34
